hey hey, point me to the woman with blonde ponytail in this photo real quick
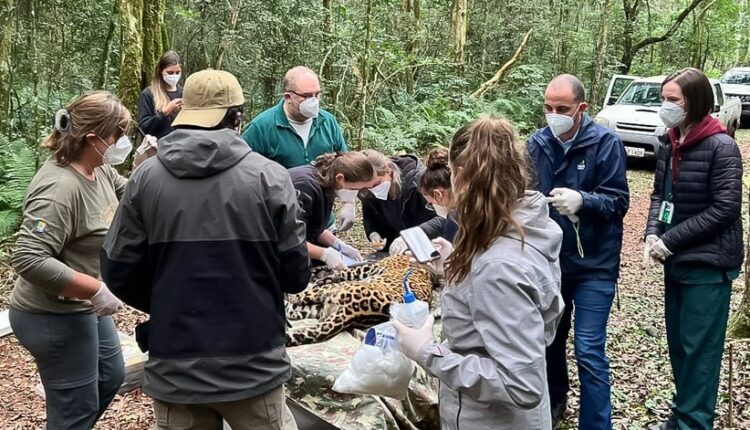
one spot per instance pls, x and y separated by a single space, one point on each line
502 303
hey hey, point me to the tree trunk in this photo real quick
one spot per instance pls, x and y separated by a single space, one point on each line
743 50
327 69
459 12
365 75
412 15
601 53
131 76
234 14
698 36
152 23
631 14
739 325
6 43
104 61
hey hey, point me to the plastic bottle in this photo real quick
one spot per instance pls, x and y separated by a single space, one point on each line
413 312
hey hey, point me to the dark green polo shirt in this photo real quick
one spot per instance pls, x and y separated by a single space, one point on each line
271 135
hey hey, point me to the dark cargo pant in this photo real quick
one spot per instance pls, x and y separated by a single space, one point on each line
79 361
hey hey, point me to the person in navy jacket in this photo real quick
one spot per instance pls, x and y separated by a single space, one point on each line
581 166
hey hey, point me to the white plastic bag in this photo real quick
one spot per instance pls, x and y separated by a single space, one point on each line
379 369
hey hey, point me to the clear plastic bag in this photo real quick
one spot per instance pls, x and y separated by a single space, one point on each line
378 367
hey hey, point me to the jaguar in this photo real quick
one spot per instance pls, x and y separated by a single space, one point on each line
358 297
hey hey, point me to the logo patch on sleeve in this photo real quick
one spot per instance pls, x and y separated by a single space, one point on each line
40 226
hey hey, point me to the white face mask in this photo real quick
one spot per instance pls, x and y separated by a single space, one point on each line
171 80
347 195
672 114
441 211
117 153
559 123
380 191
309 107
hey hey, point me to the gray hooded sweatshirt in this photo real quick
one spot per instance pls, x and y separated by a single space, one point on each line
497 323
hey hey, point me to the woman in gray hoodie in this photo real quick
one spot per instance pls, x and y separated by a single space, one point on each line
502 303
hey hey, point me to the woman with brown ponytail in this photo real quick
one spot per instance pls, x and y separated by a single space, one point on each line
317 186
502 303
60 310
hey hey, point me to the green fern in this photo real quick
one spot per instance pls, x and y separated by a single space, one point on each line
17 168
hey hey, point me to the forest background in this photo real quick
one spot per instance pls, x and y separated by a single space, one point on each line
400 75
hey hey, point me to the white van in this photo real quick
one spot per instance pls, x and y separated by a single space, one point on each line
632 111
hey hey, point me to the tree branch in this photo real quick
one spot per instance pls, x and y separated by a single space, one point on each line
675 25
486 86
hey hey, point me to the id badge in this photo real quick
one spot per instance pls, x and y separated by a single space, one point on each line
666 212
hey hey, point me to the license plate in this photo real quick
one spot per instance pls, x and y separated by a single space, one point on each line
635 152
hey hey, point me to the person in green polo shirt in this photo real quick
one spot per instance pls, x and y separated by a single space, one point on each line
296 131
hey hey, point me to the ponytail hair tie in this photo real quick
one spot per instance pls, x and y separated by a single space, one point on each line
63 122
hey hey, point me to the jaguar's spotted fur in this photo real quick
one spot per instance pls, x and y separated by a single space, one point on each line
358 297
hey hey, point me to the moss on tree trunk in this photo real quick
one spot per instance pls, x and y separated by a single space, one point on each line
153 21
5 60
129 88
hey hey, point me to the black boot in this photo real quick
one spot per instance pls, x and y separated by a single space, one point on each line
669 424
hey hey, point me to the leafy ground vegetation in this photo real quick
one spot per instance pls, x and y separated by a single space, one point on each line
637 346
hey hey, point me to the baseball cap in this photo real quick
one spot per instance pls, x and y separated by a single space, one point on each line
207 96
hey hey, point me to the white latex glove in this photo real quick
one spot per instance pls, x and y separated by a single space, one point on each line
347 250
566 201
105 303
147 143
659 251
398 247
412 340
345 218
332 259
377 241
651 239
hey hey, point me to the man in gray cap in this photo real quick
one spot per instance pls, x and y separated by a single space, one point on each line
207 240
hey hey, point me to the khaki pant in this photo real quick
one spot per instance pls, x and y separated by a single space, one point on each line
264 412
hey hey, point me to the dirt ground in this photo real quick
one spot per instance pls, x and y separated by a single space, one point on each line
642 386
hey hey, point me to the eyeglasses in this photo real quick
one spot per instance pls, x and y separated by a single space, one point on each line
430 207
307 95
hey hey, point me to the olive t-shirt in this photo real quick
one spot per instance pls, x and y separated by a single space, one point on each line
65 218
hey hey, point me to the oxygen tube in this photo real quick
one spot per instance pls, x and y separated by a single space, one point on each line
412 312
408 294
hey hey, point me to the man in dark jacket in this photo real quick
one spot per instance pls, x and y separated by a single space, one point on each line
207 240
581 166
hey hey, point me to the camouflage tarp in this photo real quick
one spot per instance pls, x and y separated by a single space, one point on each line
315 368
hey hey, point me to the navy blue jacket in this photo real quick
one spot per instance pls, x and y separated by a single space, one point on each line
595 166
